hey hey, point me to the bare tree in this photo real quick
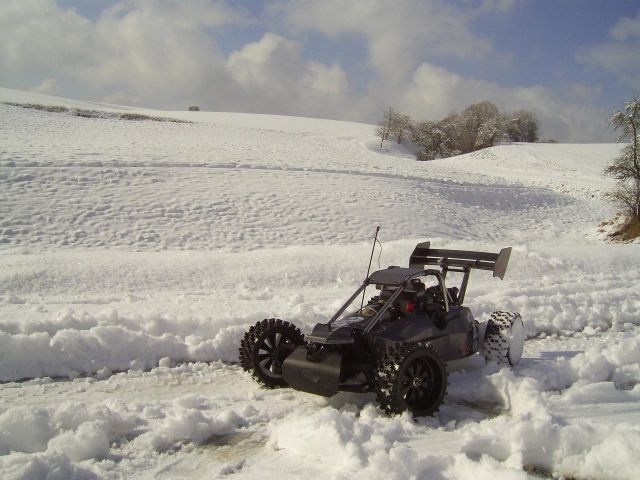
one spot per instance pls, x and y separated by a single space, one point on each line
626 167
400 126
432 140
383 130
488 132
522 126
478 126
451 126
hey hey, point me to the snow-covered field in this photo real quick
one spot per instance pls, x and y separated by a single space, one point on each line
134 254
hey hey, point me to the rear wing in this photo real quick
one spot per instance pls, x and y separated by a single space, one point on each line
460 259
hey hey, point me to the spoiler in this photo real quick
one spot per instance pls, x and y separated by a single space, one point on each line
495 262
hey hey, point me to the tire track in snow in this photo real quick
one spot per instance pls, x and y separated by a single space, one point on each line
497 185
229 207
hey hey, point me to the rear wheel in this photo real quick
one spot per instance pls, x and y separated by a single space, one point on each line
504 338
264 348
411 377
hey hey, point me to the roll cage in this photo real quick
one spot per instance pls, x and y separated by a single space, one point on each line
397 278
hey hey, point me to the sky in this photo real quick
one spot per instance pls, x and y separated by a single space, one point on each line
570 61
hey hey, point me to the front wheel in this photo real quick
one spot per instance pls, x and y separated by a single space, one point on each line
264 348
411 377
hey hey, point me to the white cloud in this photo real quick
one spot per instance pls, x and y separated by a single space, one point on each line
184 13
434 92
164 54
276 65
326 79
626 28
275 77
621 55
258 64
35 35
582 92
399 33
144 53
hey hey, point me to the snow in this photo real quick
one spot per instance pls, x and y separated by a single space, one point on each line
134 254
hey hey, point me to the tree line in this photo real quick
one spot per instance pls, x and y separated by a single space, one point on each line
478 126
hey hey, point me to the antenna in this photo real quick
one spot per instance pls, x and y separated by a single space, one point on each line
375 239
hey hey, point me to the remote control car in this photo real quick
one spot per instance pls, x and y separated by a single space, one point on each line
396 345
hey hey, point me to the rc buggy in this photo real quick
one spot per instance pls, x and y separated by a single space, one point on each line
398 343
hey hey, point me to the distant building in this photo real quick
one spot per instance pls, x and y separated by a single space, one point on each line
194 108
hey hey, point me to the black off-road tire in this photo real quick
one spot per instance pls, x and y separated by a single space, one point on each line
264 348
413 377
503 338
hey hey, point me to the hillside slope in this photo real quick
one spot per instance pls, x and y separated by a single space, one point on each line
134 254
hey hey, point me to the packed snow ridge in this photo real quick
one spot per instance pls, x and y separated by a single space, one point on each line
135 254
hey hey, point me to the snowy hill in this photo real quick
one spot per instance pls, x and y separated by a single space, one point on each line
147 247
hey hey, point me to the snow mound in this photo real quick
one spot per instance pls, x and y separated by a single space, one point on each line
535 438
104 348
575 169
49 466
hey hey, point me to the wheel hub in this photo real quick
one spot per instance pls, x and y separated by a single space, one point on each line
417 381
282 352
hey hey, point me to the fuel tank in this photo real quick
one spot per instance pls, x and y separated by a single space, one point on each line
319 377
339 332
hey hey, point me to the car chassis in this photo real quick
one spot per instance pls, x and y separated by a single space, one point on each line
398 344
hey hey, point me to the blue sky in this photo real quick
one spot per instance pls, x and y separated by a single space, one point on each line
570 61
